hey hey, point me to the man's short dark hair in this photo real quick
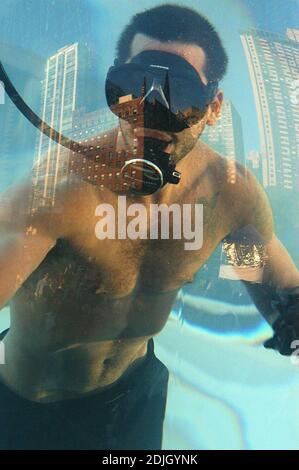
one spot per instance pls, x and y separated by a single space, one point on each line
177 23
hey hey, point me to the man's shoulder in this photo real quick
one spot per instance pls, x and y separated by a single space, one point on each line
247 203
236 181
230 176
243 199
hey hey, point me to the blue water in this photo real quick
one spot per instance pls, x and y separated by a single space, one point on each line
225 391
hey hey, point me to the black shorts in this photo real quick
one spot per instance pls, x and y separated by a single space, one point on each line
128 415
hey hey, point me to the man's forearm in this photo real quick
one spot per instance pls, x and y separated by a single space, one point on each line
263 296
279 269
280 307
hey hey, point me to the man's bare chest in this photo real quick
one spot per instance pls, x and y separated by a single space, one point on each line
120 284
153 248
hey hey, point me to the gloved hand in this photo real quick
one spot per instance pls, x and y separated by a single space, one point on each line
286 326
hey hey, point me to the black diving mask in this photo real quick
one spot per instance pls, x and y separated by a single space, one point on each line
160 91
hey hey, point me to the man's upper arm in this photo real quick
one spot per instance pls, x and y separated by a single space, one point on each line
246 245
24 242
279 270
260 215
20 255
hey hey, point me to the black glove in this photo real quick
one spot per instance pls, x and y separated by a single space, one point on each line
286 326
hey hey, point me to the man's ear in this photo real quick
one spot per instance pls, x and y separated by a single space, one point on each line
214 112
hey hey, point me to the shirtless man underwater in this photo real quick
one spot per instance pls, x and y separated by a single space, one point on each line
80 370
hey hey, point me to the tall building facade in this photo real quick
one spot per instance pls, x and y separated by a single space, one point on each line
273 62
58 104
97 133
87 124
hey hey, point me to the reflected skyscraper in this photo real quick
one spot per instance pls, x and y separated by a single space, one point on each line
70 83
273 62
86 124
58 104
99 130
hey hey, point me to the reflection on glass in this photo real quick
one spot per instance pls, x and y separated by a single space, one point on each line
90 280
